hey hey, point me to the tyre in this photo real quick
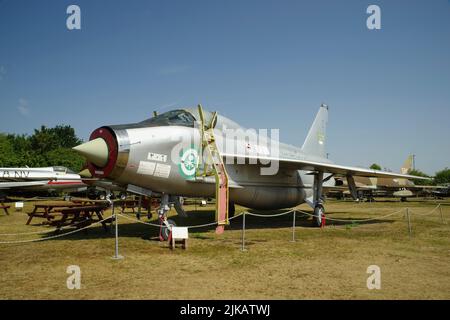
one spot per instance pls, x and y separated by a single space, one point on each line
319 213
165 232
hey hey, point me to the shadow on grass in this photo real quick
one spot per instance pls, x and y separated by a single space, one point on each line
146 232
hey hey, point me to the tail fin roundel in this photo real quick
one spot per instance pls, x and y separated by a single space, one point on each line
315 140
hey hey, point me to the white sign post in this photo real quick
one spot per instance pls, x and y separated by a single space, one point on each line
19 206
179 233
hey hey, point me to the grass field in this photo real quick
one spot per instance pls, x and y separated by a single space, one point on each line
329 263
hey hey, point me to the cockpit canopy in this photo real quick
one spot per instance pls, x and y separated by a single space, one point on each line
61 169
171 118
180 117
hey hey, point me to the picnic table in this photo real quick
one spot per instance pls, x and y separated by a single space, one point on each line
85 202
132 204
79 216
44 210
4 207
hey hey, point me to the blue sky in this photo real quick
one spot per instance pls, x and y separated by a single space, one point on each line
265 64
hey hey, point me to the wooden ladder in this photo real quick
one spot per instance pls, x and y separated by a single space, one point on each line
215 167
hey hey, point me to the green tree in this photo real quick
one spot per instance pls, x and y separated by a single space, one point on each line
442 176
65 157
7 156
43 140
65 136
419 173
44 148
375 166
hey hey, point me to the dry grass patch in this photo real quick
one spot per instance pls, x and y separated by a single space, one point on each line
322 264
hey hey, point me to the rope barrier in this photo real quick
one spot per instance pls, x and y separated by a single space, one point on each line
43 231
425 213
195 226
270 215
55 236
189 227
356 220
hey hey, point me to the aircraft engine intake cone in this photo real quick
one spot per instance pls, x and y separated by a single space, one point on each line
95 151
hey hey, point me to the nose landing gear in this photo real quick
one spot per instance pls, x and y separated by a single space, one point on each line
319 216
166 225
165 230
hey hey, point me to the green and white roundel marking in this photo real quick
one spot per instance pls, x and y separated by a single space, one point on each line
189 162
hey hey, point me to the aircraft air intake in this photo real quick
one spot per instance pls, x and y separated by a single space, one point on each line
102 152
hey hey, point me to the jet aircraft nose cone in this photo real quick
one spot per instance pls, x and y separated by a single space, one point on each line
95 151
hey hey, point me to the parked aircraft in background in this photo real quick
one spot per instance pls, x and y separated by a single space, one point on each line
385 187
46 179
186 152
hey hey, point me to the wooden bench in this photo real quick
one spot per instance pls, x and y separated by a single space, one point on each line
5 208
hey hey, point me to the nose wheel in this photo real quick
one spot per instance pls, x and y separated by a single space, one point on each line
165 224
319 216
166 229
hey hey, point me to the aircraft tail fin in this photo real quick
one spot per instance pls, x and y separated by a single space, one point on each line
315 140
407 165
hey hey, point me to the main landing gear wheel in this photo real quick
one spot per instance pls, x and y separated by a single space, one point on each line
164 232
123 196
319 215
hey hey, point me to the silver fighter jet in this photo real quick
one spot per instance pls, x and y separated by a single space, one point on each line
195 153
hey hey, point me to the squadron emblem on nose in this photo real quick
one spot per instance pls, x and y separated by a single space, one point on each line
188 163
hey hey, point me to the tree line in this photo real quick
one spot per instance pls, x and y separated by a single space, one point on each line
44 148
440 177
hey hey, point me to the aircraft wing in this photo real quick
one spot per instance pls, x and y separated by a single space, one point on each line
21 184
307 165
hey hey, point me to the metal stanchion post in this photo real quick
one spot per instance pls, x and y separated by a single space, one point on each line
243 233
409 221
117 256
293 226
440 212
